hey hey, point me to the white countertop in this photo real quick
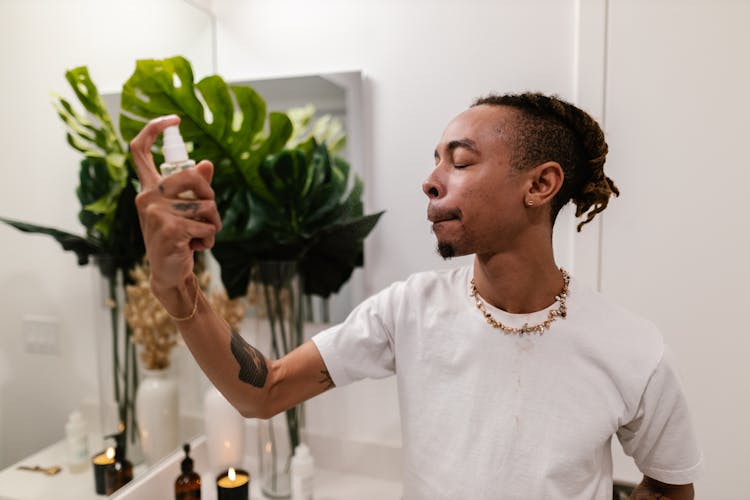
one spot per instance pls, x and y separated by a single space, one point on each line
156 482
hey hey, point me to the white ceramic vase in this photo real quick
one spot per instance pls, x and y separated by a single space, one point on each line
157 411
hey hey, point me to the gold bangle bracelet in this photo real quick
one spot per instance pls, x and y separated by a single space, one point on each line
195 304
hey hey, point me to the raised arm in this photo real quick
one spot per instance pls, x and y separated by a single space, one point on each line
173 228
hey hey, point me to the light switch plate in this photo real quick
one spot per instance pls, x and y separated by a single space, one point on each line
42 335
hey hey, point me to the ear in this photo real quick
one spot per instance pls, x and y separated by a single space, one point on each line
545 180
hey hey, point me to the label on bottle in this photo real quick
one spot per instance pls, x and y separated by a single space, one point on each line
169 168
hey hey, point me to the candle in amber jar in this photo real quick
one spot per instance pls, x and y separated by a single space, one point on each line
101 461
233 485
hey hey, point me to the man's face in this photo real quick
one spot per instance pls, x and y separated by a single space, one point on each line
476 201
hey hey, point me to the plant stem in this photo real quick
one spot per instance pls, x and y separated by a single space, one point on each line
298 318
114 318
271 322
292 423
131 383
280 317
309 308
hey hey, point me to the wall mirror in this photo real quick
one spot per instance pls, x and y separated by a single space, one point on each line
38 391
335 94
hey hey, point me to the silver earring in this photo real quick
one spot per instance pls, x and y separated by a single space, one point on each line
530 202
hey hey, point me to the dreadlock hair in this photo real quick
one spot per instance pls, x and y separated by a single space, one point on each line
547 128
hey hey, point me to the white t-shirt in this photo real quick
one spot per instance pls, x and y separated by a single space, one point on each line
486 415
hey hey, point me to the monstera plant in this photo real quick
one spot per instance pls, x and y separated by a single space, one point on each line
277 203
292 218
292 214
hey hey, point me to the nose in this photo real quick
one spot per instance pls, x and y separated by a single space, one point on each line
432 187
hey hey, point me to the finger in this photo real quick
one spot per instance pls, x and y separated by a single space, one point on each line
198 210
186 180
140 147
206 169
202 244
200 235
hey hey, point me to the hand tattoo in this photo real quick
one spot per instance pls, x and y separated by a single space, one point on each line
189 206
326 380
253 369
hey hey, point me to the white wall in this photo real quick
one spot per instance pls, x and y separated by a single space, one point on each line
40 39
676 243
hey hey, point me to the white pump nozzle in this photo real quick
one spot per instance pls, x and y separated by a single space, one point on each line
173 148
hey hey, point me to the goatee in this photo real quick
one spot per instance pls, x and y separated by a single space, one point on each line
446 250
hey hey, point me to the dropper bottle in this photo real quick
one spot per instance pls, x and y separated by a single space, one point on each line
188 484
175 153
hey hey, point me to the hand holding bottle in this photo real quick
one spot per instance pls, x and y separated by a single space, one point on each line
173 227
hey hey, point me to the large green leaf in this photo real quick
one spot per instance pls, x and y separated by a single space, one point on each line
105 158
83 247
294 204
222 122
329 263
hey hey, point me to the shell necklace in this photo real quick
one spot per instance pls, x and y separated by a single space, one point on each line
560 312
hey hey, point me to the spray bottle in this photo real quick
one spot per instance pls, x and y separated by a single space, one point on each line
175 153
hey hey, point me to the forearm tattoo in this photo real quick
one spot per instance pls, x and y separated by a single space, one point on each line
253 368
326 380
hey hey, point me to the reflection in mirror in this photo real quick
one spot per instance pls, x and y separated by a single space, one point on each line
52 342
337 95
334 95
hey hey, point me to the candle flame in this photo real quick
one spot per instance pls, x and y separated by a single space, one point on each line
110 453
231 474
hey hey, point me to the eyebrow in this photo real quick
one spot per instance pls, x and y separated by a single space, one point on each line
460 143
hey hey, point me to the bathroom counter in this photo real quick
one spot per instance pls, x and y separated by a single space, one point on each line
157 481
329 485
18 484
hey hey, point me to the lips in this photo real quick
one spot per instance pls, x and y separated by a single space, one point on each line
436 216
440 221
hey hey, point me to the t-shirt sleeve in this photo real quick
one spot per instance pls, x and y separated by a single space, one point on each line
362 346
660 438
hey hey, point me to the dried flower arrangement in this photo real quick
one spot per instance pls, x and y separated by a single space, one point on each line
152 327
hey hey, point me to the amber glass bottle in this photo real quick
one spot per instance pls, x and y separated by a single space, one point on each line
188 484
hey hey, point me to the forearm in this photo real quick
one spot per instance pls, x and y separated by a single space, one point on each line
256 386
651 489
242 379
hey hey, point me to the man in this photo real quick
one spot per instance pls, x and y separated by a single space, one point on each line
512 376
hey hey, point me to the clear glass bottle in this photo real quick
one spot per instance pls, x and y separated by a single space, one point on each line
76 434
